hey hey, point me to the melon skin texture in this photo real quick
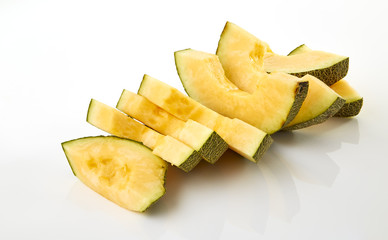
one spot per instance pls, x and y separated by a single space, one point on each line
201 138
327 67
354 101
121 170
272 106
248 141
119 124
242 57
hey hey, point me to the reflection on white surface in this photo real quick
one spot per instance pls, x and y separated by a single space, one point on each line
235 192
323 182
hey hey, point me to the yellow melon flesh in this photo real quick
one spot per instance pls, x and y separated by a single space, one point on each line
123 171
274 103
242 57
354 101
241 137
117 123
201 138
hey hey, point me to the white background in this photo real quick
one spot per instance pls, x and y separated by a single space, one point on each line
323 182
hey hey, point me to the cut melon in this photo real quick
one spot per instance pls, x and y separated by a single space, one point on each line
327 67
241 137
123 171
119 124
354 101
272 106
300 49
242 57
201 138
320 104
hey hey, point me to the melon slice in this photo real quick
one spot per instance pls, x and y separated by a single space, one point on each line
119 124
354 101
327 67
272 106
242 57
320 104
201 138
241 137
123 171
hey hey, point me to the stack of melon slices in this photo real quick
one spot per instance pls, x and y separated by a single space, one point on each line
237 98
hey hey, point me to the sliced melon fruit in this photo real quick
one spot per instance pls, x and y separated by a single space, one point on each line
242 57
241 137
320 104
354 101
300 49
119 124
327 67
272 106
123 171
201 138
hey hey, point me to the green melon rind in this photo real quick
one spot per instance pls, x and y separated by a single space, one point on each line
331 111
300 96
64 150
350 109
213 148
191 162
63 144
264 145
301 48
329 75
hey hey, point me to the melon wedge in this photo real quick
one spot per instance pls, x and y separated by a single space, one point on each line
241 137
201 138
327 67
272 106
123 171
354 101
119 124
242 57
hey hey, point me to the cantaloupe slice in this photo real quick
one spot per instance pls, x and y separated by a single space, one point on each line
241 137
354 101
272 106
201 138
119 124
123 171
242 57
327 67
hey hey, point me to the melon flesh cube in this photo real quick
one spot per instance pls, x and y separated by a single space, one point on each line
201 138
123 171
241 137
117 123
274 103
242 57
